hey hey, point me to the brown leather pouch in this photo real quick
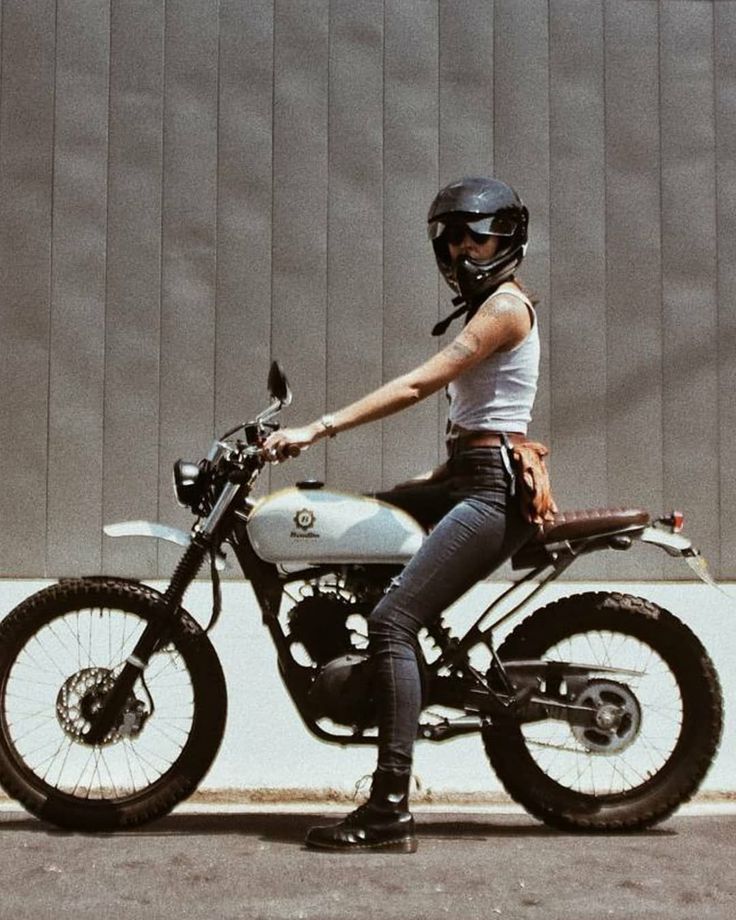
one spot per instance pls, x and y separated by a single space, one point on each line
532 480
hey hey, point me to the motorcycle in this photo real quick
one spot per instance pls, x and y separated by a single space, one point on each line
598 712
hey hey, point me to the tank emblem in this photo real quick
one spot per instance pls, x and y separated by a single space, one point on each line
304 521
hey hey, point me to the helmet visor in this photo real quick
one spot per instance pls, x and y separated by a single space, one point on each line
490 225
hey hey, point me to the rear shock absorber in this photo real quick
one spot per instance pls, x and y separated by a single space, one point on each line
442 637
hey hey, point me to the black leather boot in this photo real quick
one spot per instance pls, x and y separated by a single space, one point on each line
383 823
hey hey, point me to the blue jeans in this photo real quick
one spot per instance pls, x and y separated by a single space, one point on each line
480 527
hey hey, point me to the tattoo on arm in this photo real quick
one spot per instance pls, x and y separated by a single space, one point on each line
465 346
503 306
508 317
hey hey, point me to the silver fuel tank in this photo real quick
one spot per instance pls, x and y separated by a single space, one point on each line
319 526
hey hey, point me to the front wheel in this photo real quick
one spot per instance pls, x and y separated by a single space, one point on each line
60 652
659 720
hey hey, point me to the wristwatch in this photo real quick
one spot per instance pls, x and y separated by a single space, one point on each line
328 423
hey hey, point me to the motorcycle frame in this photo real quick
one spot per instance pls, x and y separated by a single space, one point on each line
227 523
269 585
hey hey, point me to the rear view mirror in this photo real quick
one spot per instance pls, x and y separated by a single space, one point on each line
278 385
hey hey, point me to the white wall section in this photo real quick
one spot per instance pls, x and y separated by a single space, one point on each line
267 747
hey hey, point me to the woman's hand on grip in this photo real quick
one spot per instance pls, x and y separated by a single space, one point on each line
290 442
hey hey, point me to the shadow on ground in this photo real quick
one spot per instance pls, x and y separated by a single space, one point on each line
291 828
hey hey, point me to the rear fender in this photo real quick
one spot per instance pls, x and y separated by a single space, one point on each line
680 546
674 544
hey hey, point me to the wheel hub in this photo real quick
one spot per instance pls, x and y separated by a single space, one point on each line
616 721
81 697
608 718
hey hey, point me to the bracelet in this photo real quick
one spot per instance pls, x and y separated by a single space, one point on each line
328 423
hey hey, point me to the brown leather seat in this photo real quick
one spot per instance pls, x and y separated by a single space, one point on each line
577 525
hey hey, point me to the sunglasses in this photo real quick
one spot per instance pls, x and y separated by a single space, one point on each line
479 229
454 235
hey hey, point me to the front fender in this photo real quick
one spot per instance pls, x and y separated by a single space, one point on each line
158 532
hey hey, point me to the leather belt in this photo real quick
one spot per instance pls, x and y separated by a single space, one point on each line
463 440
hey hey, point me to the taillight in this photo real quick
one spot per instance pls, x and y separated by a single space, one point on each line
675 520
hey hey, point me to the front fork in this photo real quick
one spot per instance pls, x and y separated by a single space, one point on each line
159 629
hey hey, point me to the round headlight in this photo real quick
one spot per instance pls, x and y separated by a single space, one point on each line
187 483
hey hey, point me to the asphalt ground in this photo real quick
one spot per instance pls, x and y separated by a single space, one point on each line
250 863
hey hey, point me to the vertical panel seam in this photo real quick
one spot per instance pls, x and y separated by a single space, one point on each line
717 291
550 305
438 88
438 179
495 82
330 10
215 304
273 195
273 145
164 12
492 144
383 216
383 236
2 133
550 200
605 247
662 358
607 564
2 74
51 288
105 284
438 61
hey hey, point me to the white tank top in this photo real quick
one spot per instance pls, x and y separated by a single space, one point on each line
498 393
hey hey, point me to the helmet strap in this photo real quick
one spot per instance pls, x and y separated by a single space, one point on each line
441 327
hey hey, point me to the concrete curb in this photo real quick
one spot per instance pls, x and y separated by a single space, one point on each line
691 810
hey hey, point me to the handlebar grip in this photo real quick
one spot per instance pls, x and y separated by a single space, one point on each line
274 455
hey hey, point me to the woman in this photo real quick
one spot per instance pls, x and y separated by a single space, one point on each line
478 228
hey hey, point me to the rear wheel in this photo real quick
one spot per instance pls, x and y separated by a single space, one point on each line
656 731
60 651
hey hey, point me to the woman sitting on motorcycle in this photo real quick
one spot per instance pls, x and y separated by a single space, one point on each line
478 229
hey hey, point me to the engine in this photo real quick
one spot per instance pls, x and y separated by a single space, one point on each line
319 623
342 687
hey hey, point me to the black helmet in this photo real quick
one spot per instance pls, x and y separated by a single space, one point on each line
488 207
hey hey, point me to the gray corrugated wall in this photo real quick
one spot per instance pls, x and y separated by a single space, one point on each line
188 188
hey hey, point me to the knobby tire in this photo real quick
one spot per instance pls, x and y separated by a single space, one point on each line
191 660
629 619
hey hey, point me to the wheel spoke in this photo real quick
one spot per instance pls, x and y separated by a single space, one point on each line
649 708
81 650
62 651
654 721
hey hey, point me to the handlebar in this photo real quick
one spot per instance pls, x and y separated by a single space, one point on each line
271 456
291 451
281 396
